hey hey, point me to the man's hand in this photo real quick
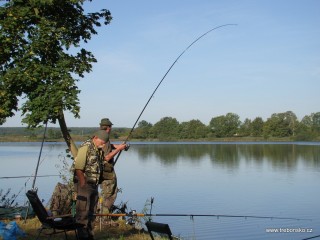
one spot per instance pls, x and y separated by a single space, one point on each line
127 147
121 146
81 177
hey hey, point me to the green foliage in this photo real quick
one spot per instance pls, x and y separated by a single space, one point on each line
245 128
257 127
193 129
40 57
167 128
55 133
225 126
309 127
143 130
279 125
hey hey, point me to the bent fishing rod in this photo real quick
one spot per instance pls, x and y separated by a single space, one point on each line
175 61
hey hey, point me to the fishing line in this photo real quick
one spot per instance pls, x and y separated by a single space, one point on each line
30 176
37 167
36 172
197 39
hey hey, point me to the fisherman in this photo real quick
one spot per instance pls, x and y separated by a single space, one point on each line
109 188
88 168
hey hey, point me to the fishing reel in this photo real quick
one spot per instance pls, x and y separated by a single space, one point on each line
118 209
132 218
127 147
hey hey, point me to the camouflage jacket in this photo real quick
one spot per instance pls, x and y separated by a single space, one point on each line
94 162
108 168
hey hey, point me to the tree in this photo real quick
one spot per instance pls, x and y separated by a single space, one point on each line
304 131
193 129
41 58
166 128
292 121
245 128
257 127
315 117
217 126
281 125
225 126
143 129
309 127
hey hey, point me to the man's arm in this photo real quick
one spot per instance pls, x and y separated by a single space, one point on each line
116 148
80 165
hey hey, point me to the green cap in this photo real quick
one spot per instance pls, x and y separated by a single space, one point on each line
105 122
102 134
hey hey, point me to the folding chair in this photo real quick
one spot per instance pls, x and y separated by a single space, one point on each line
57 224
161 228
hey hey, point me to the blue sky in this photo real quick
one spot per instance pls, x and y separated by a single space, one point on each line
268 63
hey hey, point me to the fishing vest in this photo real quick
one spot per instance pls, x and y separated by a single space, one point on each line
94 162
108 168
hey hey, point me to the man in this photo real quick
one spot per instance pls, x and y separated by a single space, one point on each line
88 167
109 184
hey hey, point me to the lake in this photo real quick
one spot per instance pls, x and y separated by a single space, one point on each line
279 180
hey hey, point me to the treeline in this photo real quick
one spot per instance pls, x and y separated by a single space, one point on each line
55 132
278 125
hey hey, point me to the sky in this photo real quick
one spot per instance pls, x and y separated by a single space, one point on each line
268 63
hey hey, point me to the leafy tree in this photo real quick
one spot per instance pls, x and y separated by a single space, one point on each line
292 121
217 126
143 130
304 129
245 128
281 125
309 127
315 118
41 59
257 127
307 121
225 126
193 129
166 128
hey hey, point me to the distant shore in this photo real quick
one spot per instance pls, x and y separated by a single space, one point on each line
83 138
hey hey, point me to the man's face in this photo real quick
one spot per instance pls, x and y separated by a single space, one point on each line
99 143
108 129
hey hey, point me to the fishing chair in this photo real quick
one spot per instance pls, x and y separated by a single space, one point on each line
56 224
161 228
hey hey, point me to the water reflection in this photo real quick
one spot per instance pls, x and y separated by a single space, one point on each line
192 178
279 156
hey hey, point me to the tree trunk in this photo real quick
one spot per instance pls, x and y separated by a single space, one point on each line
66 135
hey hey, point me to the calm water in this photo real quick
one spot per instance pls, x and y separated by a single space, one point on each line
278 180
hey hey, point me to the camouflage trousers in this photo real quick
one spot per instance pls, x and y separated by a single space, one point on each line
87 199
109 192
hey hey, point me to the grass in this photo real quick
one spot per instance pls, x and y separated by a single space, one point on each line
123 231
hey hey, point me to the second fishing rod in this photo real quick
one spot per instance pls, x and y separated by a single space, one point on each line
134 214
175 61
